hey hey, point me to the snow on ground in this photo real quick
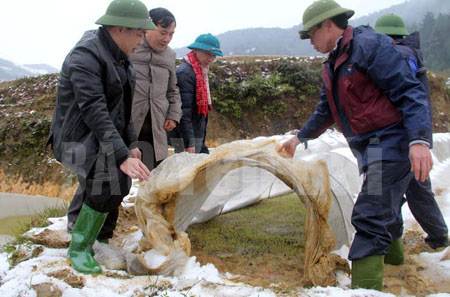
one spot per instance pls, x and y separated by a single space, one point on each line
205 281
440 178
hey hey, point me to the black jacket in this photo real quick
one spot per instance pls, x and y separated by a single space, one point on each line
192 127
93 104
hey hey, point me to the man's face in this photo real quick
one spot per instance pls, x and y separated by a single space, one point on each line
322 38
160 38
129 39
205 58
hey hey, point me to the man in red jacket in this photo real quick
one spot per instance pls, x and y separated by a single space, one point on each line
377 102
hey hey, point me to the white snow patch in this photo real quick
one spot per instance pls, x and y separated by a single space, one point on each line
154 259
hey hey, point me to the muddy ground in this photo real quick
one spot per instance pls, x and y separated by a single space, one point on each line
283 274
287 273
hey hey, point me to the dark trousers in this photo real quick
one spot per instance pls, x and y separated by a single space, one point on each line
120 185
175 139
377 215
102 190
146 144
425 210
178 144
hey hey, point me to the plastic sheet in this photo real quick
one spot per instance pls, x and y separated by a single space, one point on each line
188 188
184 183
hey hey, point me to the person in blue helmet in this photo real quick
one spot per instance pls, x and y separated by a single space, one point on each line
419 195
371 93
192 76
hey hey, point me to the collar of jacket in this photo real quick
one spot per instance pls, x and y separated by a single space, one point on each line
340 54
147 45
347 37
115 50
412 40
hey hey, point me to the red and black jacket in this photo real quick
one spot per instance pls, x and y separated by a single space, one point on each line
373 96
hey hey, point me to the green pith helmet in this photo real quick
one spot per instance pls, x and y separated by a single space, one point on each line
127 13
391 24
319 11
207 42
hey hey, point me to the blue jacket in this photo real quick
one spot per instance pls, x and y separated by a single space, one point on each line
409 46
373 96
192 127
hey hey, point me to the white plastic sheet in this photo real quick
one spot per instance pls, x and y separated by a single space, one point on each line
184 183
190 188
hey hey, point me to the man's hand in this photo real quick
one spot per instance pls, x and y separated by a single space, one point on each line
421 161
136 153
169 125
134 168
190 150
290 146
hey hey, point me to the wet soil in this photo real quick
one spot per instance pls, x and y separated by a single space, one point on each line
282 273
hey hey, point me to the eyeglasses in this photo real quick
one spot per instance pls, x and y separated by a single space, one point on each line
303 34
309 34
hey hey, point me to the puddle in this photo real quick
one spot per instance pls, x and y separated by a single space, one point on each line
7 225
17 208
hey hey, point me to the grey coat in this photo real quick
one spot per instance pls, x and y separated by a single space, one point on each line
93 104
157 92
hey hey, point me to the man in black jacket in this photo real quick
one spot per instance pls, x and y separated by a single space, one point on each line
91 130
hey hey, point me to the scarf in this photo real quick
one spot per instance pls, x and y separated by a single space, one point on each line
202 92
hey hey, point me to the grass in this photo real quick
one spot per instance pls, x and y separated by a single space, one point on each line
274 226
37 221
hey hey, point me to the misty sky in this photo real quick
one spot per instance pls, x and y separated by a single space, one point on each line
43 31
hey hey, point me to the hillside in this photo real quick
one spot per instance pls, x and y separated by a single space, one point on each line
251 97
26 107
255 41
412 12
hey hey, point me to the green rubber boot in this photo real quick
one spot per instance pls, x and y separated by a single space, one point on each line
395 255
85 231
367 273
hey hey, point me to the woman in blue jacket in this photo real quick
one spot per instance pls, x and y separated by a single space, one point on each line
192 76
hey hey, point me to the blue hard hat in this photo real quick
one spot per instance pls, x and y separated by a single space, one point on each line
207 42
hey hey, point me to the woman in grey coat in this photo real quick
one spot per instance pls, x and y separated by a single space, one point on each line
156 103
